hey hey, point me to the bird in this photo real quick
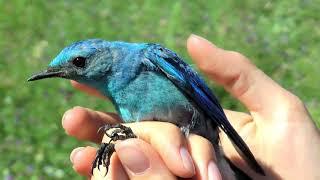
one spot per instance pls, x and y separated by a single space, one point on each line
149 82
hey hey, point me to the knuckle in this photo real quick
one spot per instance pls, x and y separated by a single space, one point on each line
292 105
171 129
154 131
171 133
202 146
206 66
238 56
197 139
295 102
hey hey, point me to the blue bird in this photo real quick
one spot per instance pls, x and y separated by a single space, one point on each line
147 81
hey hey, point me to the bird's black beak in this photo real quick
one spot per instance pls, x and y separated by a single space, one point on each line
48 73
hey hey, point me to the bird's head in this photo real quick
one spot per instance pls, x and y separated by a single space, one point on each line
84 61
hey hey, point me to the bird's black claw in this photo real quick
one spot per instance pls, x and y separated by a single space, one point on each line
103 156
106 150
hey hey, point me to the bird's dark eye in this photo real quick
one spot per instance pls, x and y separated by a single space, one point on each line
79 62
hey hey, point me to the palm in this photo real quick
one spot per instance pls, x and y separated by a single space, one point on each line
274 140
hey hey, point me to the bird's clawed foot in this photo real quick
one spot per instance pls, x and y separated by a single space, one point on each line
103 156
115 132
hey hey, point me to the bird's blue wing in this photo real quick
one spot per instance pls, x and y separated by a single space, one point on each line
187 80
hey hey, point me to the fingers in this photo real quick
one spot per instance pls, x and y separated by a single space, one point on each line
87 89
246 127
82 158
141 161
164 137
203 155
169 142
135 159
238 76
83 123
238 119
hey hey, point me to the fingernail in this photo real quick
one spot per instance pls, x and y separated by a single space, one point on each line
213 171
75 152
196 36
199 38
132 157
65 117
187 160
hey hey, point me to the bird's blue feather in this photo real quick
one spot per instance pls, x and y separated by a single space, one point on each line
195 88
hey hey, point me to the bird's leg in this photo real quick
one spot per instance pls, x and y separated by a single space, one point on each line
119 132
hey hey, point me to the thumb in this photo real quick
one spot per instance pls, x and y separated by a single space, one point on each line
141 161
239 77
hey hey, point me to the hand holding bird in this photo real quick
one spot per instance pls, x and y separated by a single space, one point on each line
242 88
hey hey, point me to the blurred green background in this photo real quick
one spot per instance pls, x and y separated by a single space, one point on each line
281 37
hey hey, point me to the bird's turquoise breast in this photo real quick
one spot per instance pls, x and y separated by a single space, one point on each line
151 96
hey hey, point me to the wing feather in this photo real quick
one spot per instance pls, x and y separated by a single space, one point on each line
189 82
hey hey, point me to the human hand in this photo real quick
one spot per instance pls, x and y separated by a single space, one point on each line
279 130
165 152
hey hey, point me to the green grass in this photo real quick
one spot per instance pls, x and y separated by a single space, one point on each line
281 37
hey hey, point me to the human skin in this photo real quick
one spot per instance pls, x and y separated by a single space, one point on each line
278 129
